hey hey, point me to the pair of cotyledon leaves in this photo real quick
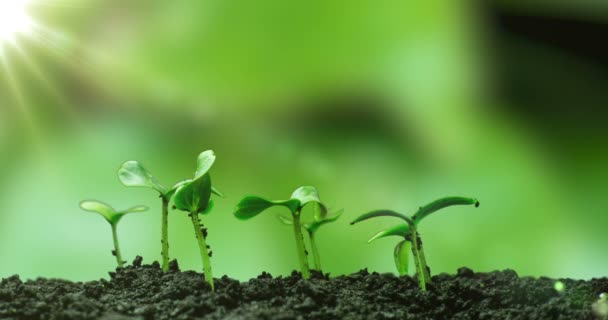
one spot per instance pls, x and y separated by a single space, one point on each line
191 195
106 211
403 230
251 206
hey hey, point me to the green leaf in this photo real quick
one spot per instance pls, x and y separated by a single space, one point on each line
217 192
307 194
440 204
134 209
103 209
381 213
401 230
209 207
319 212
194 196
133 174
106 211
402 256
204 162
314 226
251 206
173 189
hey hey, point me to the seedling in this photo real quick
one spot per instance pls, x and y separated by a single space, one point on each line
410 235
251 206
112 216
133 174
319 218
194 197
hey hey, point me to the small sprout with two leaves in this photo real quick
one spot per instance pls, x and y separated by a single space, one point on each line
320 217
251 206
411 237
134 174
194 197
113 217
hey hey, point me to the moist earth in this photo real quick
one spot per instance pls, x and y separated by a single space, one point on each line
145 292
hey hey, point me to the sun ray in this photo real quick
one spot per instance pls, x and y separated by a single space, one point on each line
19 99
35 69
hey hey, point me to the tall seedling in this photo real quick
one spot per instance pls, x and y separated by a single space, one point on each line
194 197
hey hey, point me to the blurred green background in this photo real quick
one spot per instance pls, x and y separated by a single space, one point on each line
379 104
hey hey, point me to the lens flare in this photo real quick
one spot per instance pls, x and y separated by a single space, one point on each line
13 19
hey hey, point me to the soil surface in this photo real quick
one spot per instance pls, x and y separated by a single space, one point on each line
144 292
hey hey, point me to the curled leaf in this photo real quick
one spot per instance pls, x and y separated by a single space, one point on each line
133 174
401 230
440 204
204 162
381 213
308 194
402 256
193 196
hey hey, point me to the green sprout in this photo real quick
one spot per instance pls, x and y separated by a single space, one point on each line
251 206
410 235
320 218
133 174
112 216
194 197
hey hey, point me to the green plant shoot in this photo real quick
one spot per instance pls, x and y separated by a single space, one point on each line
133 174
113 217
251 206
194 197
319 218
411 237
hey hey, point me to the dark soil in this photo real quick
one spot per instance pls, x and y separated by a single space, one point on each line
144 292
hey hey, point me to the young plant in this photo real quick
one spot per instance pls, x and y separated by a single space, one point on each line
133 174
320 218
194 197
410 235
112 216
251 206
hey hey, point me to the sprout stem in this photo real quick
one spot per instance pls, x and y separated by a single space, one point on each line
297 229
425 268
202 245
417 260
315 251
116 246
165 233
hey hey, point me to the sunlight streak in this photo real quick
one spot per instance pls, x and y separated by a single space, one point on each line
13 19
47 83
19 98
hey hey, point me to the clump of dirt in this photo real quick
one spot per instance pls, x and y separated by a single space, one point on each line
145 292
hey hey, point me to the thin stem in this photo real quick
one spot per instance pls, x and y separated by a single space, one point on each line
315 251
417 260
297 229
202 245
116 247
425 268
165 233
